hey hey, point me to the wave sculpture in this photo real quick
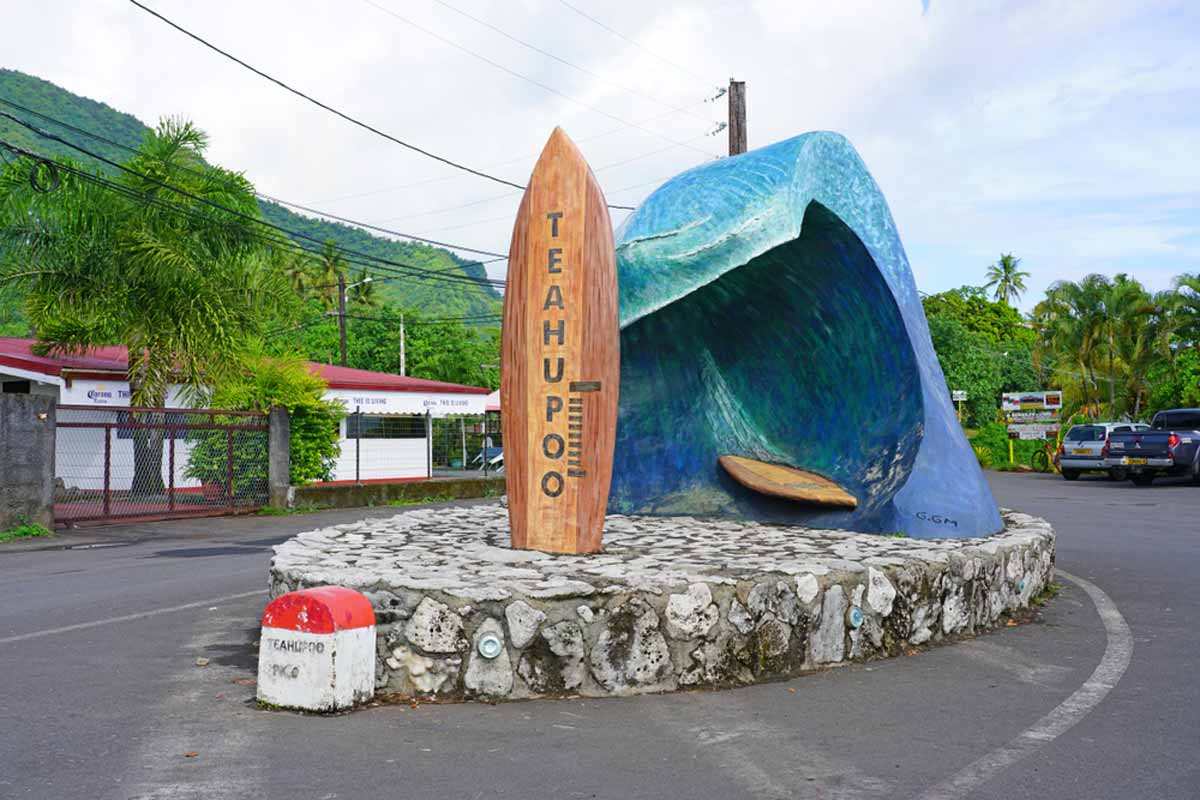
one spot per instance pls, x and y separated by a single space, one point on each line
775 358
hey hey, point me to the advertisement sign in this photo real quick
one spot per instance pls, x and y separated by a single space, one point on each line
1032 415
1031 401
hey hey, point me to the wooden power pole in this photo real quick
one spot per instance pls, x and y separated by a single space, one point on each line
737 117
342 314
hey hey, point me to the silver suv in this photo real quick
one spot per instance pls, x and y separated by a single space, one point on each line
1081 448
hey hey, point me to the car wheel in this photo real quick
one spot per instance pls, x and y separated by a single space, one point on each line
1117 475
1142 479
1071 474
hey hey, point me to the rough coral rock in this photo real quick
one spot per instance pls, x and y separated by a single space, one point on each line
555 662
631 652
424 674
829 639
523 621
693 613
880 592
434 628
489 676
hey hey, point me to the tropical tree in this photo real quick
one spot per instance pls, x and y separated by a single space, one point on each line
1007 278
168 274
326 270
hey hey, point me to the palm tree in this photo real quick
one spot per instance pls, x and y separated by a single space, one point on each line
180 284
329 267
1186 308
1008 280
364 292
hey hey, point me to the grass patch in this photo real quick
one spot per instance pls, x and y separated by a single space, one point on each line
416 501
1049 593
26 530
896 535
300 508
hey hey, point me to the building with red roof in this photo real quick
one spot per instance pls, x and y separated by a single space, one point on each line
388 422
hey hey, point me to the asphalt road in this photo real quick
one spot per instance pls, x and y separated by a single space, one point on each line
102 697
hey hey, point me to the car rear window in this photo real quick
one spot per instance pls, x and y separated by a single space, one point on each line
1183 420
1086 433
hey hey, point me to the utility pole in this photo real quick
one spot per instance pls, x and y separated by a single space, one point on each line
402 365
737 117
342 313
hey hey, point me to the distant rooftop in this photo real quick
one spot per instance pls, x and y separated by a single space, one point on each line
112 360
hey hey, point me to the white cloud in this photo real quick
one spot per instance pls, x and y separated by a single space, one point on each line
990 126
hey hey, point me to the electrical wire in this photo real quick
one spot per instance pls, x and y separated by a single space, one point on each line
633 42
585 70
525 78
260 195
518 160
329 108
205 201
283 243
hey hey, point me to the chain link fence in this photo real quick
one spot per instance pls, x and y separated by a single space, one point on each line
414 447
158 462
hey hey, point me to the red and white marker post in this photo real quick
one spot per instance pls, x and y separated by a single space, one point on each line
317 651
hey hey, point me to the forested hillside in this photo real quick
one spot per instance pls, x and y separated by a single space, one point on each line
434 298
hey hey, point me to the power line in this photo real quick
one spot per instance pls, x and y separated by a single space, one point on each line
633 42
518 160
406 269
260 195
585 70
327 107
525 78
518 194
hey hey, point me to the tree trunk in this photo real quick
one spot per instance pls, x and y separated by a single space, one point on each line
147 450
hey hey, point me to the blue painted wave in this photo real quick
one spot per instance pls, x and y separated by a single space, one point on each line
768 310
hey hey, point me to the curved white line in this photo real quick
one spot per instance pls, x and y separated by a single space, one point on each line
1108 672
128 617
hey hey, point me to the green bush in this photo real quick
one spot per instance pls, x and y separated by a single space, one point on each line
992 439
264 382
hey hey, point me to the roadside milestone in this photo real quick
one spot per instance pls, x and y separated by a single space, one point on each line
671 602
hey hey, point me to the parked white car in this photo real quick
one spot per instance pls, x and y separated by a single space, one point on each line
1081 449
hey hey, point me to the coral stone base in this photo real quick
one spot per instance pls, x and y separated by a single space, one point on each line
672 602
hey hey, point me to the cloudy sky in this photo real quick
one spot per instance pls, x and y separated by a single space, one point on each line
1063 132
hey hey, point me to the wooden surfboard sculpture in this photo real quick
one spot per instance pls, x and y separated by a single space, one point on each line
560 357
786 482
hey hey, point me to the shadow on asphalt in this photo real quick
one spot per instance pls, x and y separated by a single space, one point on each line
241 655
204 552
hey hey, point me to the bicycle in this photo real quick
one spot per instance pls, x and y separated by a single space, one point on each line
1043 459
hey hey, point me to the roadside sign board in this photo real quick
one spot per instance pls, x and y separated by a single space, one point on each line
958 396
1029 401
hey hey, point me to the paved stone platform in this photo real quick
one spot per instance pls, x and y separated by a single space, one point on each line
672 602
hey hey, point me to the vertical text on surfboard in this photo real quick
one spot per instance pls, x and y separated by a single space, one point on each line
554 447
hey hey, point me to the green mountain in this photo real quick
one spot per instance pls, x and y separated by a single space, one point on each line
433 298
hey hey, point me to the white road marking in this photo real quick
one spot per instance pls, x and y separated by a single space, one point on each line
127 617
1117 653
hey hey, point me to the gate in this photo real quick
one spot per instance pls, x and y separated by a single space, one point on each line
158 463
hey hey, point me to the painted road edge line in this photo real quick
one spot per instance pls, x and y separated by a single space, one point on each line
128 617
1117 653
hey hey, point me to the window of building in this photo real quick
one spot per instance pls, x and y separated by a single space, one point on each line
391 427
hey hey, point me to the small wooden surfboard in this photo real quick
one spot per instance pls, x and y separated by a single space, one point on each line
786 482
560 357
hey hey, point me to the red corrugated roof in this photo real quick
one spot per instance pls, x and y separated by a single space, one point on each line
18 353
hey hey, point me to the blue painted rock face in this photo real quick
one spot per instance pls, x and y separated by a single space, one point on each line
768 311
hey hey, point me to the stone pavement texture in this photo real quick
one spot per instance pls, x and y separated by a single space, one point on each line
671 602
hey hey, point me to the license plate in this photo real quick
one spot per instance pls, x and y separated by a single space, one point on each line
1135 461
1081 451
